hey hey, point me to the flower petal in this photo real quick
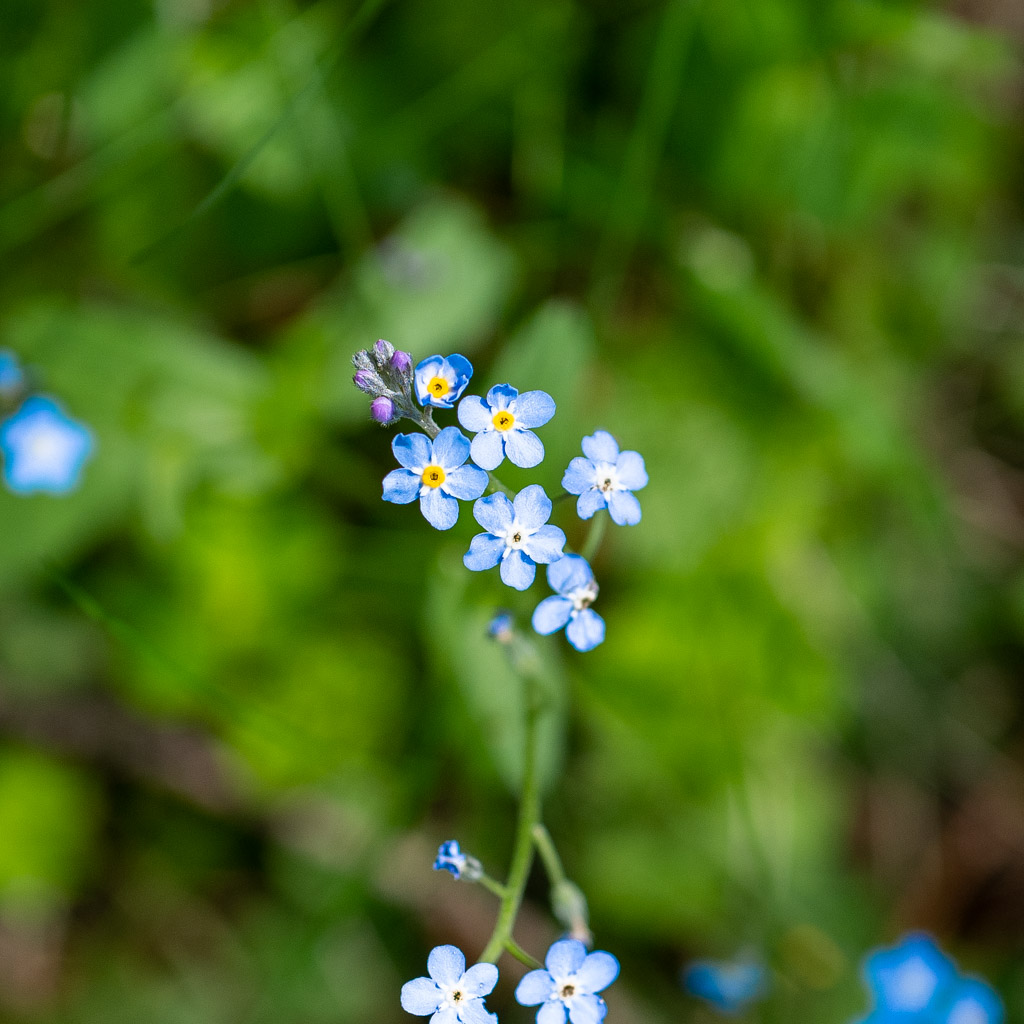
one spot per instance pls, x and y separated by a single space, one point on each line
569 573
488 450
474 414
599 970
532 507
590 502
473 1011
587 1009
412 451
565 957
545 545
518 571
631 471
534 408
524 448
465 482
439 509
421 996
624 508
552 1013
579 476
485 551
600 447
586 631
445 1016
451 448
446 964
463 371
494 513
401 486
501 396
551 614
480 979
536 986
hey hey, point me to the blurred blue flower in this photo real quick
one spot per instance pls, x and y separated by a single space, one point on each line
517 536
43 448
573 579
440 381
501 627
12 376
461 865
606 478
503 425
728 986
569 986
452 994
434 473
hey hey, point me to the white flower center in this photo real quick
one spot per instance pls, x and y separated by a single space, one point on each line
914 986
566 989
454 997
583 597
516 536
606 477
48 448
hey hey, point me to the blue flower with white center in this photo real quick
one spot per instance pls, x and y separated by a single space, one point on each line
569 986
573 579
503 425
606 478
452 994
729 987
518 536
43 448
434 473
461 865
440 381
12 376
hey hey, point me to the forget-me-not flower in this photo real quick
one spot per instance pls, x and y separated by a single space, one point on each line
503 425
452 994
435 473
517 536
43 448
440 381
606 478
12 376
569 986
729 987
461 865
573 579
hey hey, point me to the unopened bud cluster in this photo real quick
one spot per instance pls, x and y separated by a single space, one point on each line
385 374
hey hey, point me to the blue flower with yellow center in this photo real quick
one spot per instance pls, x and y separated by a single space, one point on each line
503 424
43 448
517 536
440 381
606 478
568 986
435 473
573 579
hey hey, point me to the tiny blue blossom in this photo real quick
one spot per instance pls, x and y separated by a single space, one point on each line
434 473
501 627
43 448
568 987
518 536
606 478
729 987
573 579
461 865
12 376
451 994
503 425
440 381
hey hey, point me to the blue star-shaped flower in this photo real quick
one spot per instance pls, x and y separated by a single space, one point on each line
451 994
434 473
730 987
517 536
461 865
503 425
440 381
573 579
606 478
43 448
569 986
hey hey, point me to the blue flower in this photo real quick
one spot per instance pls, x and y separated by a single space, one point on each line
461 865
440 382
573 579
452 994
729 987
569 986
517 536
606 478
503 423
12 376
501 628
434 473
43 448
973 1001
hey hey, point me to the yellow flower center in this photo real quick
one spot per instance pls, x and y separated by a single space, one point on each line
439 387
503 420
433 476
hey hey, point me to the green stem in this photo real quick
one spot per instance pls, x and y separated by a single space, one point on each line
546 848
492 885
520 954
593 541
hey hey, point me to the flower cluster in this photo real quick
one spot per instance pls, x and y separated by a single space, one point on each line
43 449
915 982
442 467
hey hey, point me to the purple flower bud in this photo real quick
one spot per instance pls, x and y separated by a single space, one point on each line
383 350
382 410
368 381
401 362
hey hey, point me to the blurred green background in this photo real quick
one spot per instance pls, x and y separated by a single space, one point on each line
777 246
